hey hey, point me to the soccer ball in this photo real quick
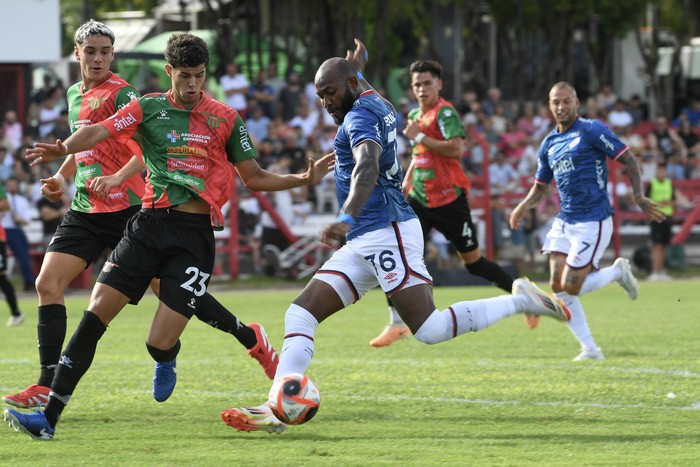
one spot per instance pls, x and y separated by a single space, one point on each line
294 399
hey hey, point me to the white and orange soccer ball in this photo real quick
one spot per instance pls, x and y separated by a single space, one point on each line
294 399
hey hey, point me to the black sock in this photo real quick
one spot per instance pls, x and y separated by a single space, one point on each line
164 356
73 364
215 315
9 291
492 272
51 332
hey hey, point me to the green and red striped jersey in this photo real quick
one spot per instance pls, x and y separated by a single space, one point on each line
89 106
188 152
437 180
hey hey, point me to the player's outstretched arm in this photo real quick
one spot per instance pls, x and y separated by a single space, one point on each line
536 194
652 209
83 139
255 178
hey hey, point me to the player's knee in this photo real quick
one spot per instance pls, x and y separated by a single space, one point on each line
163 356
437 328
571 289
48 287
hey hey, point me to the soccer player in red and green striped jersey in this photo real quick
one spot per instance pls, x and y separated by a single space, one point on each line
189 179
436 185
105 199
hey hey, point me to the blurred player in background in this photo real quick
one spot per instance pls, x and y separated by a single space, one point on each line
574 154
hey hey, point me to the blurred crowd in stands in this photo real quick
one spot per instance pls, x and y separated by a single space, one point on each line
288 125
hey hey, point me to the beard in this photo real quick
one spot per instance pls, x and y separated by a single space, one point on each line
345 106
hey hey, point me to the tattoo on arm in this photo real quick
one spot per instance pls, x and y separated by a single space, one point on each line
536 194
364 176
634 173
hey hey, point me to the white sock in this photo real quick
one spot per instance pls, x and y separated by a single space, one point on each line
462 317
298 346
578 324
599 279
395 318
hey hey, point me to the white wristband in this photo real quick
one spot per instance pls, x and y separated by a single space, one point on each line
59 176
419 137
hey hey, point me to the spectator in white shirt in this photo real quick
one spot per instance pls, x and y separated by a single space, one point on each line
619 118
235 86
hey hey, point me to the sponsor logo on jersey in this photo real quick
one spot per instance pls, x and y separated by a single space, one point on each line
87 171
391 277
189 165
94 102
184 149
163 115
563 166
244 139
389 119
173 136
195 138
123 122
608 144
188 180
118 195
213 120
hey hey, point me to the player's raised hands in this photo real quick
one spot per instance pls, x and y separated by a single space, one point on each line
359 56
45 152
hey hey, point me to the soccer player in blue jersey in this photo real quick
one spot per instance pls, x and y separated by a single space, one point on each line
574 155
384 242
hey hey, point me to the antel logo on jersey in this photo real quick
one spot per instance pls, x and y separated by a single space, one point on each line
244 139
125 121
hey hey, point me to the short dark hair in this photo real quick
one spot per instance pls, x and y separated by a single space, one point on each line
186 51
431 66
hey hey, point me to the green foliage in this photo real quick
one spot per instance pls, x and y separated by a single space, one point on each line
503 396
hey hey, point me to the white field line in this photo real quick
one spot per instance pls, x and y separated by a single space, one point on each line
496 364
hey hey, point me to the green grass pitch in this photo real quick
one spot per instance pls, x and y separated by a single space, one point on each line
503 396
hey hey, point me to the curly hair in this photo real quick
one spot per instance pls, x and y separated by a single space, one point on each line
92 28
186 51
431 66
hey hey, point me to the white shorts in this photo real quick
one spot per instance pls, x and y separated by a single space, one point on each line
583 243
391 257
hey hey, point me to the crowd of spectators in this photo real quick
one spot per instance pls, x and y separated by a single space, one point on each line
287 124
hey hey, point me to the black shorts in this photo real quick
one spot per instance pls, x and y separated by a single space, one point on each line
661 232
176 247
88 235
453 220
3 257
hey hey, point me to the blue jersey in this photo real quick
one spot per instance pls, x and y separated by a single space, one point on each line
577 160
371 119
